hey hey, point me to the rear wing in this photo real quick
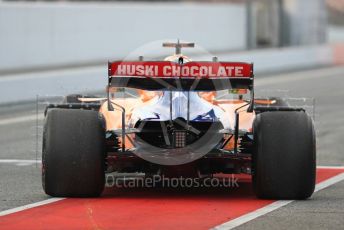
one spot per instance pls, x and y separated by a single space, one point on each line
190 76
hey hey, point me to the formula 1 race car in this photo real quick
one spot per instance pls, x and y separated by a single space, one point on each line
183 119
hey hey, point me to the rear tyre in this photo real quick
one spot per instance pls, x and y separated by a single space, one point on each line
73 153
283 160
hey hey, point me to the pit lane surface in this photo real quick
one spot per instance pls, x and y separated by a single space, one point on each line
20 180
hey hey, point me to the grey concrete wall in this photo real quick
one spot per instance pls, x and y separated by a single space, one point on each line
335 33
305 22
47 34
26 86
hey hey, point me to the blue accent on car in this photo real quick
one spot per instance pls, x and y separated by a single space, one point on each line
157 117
209 116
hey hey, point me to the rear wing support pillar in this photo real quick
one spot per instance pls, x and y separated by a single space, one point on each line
111 108
251 88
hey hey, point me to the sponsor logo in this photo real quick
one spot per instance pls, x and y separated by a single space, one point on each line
168 70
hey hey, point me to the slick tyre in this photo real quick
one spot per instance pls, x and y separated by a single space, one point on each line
283 159
73 153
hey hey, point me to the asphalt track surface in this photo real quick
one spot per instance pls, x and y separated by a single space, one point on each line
201 208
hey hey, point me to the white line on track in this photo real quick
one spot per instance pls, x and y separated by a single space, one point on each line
330 167
19 162
253 215
33 205
9 121
228 225
276 205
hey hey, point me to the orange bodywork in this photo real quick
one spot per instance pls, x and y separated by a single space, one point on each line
114 118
